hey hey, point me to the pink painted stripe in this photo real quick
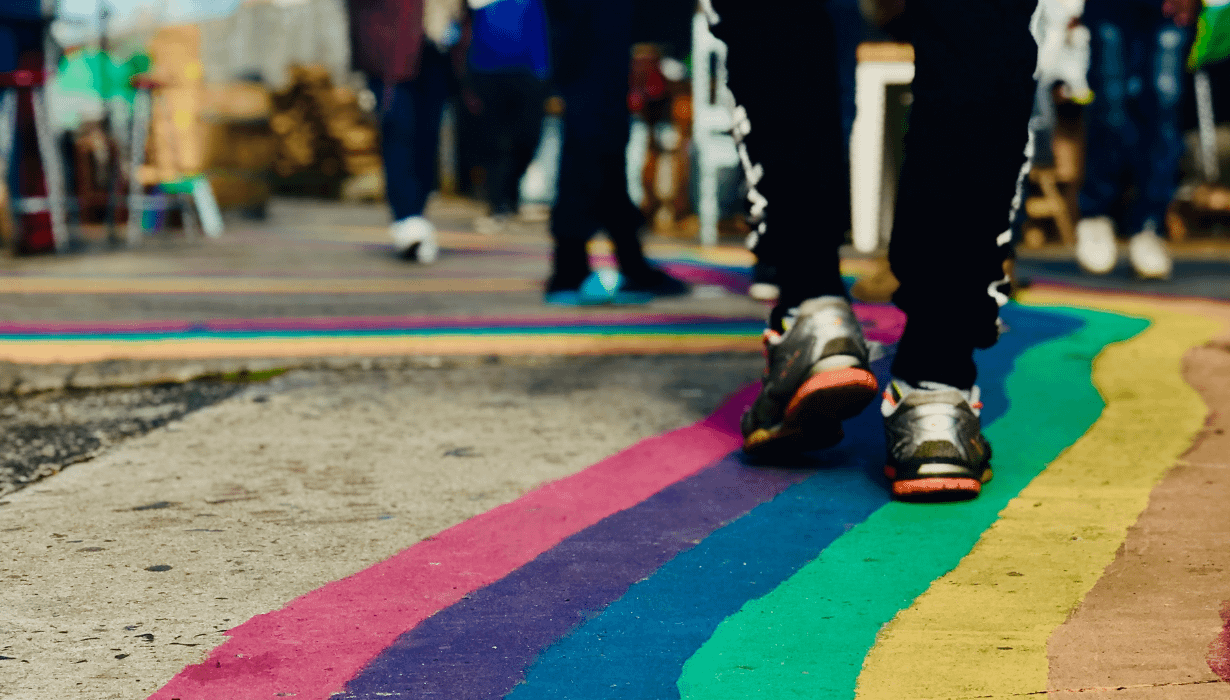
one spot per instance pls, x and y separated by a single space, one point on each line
311 647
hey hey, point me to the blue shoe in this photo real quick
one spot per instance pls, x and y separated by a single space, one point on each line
601 288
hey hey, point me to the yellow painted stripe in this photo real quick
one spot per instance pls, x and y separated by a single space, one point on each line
256 285
39 352
981 631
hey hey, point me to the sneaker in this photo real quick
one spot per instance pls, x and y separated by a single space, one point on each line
936 451
817 376
1149 256
415 239
600 288
1095 245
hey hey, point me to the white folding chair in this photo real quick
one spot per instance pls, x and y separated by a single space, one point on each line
712 104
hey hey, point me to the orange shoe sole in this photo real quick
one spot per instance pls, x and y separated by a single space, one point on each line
813 417
834 395
937 488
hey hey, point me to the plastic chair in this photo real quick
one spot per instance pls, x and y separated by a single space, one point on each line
192 195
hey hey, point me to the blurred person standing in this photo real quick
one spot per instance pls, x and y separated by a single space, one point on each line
23 24
591 51
407 48
506 86
1136 73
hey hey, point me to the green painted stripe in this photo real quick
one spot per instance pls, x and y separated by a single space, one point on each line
808 637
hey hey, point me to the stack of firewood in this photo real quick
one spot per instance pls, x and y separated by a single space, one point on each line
323 135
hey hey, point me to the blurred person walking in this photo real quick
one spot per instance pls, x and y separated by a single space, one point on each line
506 86
23 25
1132 132
591 56
973 95
407 48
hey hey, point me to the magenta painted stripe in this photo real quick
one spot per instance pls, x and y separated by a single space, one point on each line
883 323
733 281
311 647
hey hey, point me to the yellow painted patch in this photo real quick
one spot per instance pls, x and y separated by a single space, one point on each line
982 630
73 352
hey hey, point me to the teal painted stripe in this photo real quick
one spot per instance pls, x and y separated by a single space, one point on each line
808 637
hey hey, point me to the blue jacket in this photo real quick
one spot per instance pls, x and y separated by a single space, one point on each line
510 35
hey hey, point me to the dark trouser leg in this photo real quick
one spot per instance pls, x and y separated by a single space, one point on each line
573 219
526 132
410 134
512 125
1110 134
431 91
1156 163
593 195
592 183
973 94
498 96
395 104
783 71
621 218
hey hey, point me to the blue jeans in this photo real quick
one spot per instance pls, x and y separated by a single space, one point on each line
410 114
1136 72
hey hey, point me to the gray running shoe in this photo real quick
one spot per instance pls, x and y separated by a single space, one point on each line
817 376
936 451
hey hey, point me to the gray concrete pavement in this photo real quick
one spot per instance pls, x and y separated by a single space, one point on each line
119 571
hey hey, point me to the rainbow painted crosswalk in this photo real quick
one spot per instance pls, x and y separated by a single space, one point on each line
675 570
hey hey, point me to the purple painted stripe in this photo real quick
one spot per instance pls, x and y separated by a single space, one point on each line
480 647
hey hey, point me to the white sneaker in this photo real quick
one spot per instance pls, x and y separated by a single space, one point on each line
1095 245
1149 256
764 291
415 237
